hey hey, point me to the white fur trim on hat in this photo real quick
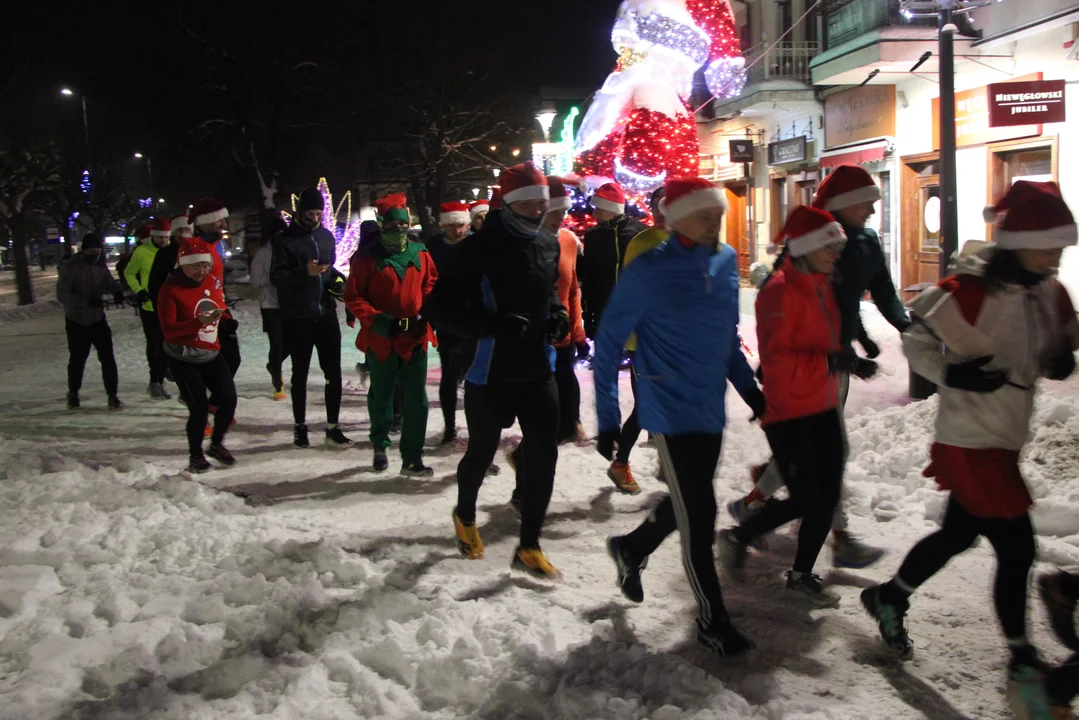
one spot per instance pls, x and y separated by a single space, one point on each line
559 204
1051 239
211 217
864 194
180 221
528 192
457 217
196 258
477 209
608 205
830 234
686 205
160 233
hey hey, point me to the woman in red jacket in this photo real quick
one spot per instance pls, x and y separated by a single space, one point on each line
189 307
798 336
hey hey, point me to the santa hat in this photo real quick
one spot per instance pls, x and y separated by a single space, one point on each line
208 210
560 197
477 207
160 228
610 197
847 185
686 196
523 182
1035 217
808 229
454 213
393 207
496 198
143 233
193 251
179 223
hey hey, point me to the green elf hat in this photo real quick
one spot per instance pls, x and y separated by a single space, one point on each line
393 208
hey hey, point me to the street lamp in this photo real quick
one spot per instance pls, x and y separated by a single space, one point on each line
149 172
516 152
85 126
546 119
475 193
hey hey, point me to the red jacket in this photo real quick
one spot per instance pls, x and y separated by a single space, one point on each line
179 304
797 326
569 292
378 296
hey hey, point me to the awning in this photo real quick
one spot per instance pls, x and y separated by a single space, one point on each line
856 154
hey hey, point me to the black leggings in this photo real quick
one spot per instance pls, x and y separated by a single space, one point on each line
323 336
80 338
193 380
810 454
1013 542
455 355
271 325
631 428
569 392
155 348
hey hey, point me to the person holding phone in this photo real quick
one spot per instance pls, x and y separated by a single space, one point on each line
190 306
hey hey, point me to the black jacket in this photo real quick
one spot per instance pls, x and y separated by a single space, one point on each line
163 265
598 268
300 296
82 281
499 273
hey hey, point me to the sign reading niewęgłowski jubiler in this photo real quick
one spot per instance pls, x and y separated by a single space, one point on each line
1026 103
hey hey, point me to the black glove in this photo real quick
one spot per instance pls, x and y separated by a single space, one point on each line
872 350
557 325
973 377
583 351
118 299
605 442
755 400
507 325
902 327
846 360
142 297
228 326
1061 363
95 302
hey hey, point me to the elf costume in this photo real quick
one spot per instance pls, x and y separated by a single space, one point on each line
387 286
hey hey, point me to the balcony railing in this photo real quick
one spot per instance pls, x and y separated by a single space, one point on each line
785 61
848 19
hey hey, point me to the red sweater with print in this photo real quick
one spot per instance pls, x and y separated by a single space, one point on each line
179 304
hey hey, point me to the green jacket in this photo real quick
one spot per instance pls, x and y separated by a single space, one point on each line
862 268
137 272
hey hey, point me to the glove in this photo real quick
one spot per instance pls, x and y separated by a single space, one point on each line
973 377
228 326
118 299
350 319
336 286
557 325
605 442
507 325
142 297
1061 363
902 327
583 351
755 400
846 360
95 302
872 350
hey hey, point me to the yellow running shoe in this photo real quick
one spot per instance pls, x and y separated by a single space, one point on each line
468 538
535 563
279 394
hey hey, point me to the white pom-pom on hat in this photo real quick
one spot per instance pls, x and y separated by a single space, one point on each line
990 214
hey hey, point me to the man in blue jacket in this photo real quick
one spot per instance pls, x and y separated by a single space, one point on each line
682 301
301 268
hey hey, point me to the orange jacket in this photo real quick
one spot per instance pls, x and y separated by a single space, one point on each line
569 292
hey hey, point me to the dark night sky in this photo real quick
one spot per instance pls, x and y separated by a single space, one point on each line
134 61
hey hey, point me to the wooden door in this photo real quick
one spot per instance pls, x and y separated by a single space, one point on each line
736 235
924 245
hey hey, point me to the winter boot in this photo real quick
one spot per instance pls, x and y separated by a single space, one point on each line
723 639
850 552
1060 604
72 401
1026 685
299 436
629 568
221 454
114 403
381 462
198 464
732 555
809 587
336 439
535 563
416 470
468 538
889 617
620 474
157 391
493 470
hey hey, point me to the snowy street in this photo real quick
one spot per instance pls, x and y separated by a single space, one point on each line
129 590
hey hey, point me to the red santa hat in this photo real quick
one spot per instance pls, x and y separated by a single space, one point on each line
808 229
180 222
560 193
610 197
193 251
1035 217
847 185
143 233
208 210
496 198
454 213
523 182
685 196
160 228
477 207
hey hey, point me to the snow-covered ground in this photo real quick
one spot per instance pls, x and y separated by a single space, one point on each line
129 591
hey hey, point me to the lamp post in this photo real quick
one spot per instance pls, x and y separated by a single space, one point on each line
149 173
85 126
546 119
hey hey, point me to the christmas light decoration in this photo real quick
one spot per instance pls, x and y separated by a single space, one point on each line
346 233
84 183
556 158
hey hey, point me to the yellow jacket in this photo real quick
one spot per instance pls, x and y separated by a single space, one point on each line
137 272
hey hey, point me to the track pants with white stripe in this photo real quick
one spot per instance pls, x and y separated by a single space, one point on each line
689 462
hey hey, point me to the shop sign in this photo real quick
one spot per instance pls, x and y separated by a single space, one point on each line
741 151
787 151
972 118
1023 103
858 115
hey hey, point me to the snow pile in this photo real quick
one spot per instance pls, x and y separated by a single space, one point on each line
18 313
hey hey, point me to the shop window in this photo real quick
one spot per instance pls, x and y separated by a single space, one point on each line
884 212
930 235
1036 160
779 204
1036 165
805 191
